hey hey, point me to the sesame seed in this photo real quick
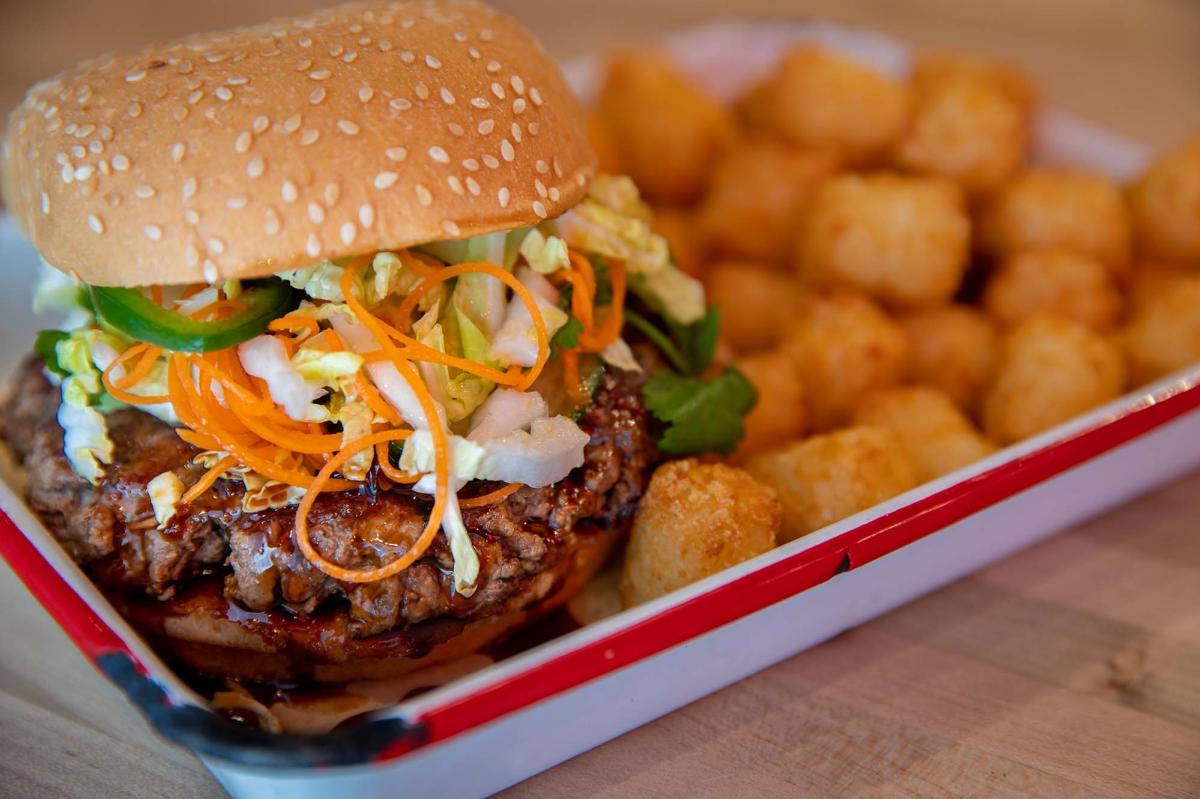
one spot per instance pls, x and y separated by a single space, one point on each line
78 151
271 222
336 50
95 223
506 150
554 194
364 40
490 161
304 41
316 214
432 62
223 94
312 246
533 128
347 127
347 231
493 66
366 215
486 126
332 192
255 167
67 174
517 84
320 74
503 196
385 46
351 57
539 209
45 203
516 132
242 143
542 167
470 164
260 125
447 96
195 97
237 80
421 90
399 104
304 64
540 187
84 172
498 90
144 192
535 95
356 28
485 34
153 232
177 151
407 57
385 179
479 102
189 188
71 128
180 113
134 77
439 155
423 196
472 185
236 203
365 93
459 36
287 191
455 184
557 167
191 255
317 96
191 216
455 128
519 105
309 136
396 153
291 124
106 133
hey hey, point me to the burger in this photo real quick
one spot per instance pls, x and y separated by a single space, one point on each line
363 366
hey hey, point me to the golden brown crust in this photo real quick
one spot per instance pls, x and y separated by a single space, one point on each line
237 154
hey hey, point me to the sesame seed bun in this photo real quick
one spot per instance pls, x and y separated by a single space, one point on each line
237 154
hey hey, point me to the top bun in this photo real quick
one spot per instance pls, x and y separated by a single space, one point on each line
238 154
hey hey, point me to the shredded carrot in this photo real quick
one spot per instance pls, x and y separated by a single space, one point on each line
308 443
204 483
323 477
571 376
384 459
375 402
490 498
610 330
115 388
156 294
294 321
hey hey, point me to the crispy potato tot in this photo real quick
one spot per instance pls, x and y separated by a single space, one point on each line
666 132
608 158
757 193
1054 280
1163 333
780 413
1150 279
1051 369
938 437
825 478
903 240
1165 203
967 128
1059 208
695 520
954 348
844 346
756 303
935 67
820 99
678 226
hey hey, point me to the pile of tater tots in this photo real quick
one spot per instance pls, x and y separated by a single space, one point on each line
906 291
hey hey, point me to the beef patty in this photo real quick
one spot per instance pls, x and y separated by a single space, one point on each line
110 527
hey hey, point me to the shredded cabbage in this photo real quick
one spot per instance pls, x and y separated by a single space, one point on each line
619 355
516 342
504 411
85 440
266 358
165 492
544 254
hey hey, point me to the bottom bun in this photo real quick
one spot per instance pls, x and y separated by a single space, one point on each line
206 634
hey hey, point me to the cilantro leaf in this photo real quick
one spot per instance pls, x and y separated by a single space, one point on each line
699 340
567 336
701 416
45 344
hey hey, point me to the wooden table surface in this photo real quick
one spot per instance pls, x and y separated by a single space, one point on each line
1072 669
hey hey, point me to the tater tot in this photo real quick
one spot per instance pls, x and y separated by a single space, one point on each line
938 437
756 195
1163 333
820 99
934 67
1165 204
825 478
903 240
953 348
965 128
755 302
665 131
844 346
1054 280
678 226
695 520
1051 369
1059 207
780 413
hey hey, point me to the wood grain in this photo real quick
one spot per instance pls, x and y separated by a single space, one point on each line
1072 669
